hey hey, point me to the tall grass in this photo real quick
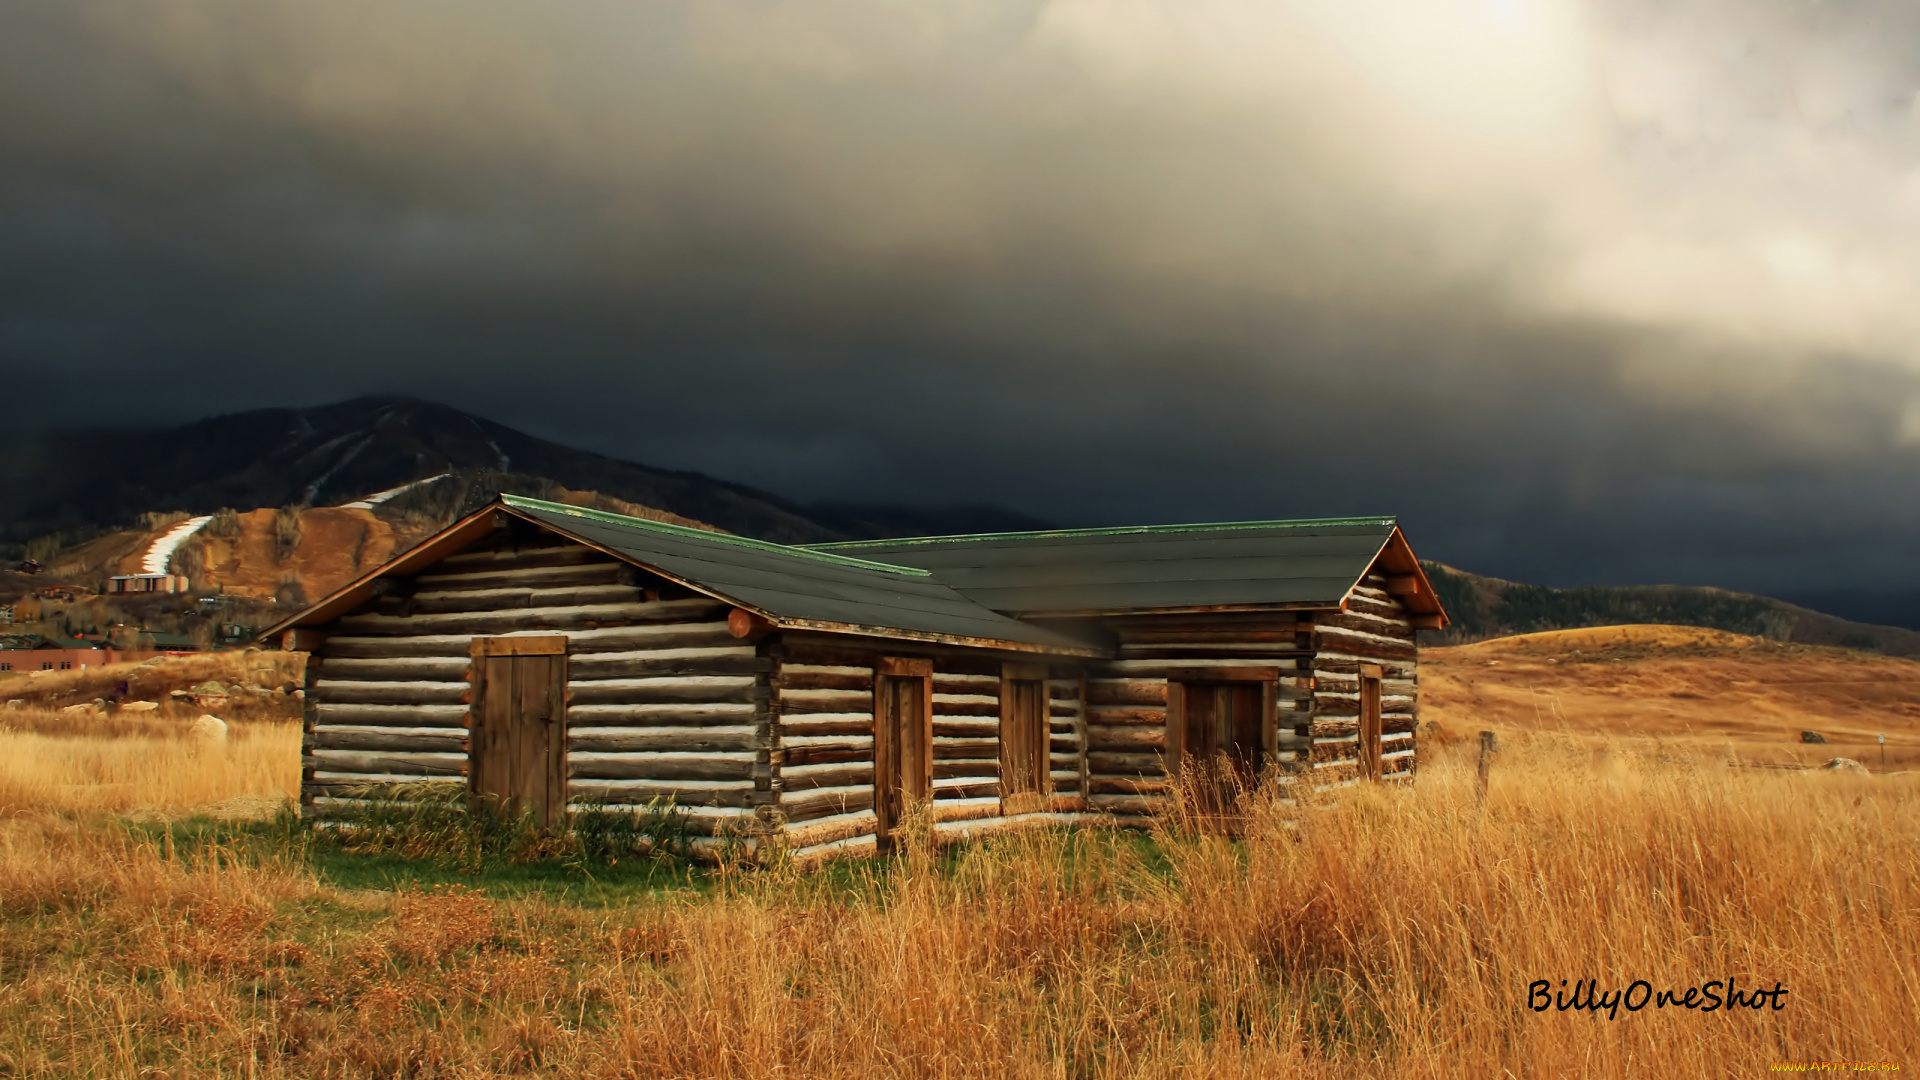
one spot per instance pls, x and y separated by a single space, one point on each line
135 761
1386 933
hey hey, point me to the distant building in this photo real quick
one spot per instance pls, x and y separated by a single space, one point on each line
147 583
35 652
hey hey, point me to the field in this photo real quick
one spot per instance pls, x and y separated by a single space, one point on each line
1703 691
1380 933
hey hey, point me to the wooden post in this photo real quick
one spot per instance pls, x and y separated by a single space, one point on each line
1486 763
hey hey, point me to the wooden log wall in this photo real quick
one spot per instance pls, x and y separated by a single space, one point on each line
1126 698
664 702
823 741
823 744
1374 629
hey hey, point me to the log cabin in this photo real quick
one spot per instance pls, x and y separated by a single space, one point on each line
550 655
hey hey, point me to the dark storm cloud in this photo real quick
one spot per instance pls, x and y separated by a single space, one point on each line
1594 293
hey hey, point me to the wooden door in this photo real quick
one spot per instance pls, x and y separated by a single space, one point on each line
1025 739
518 742
902 740
1220 731
1369 749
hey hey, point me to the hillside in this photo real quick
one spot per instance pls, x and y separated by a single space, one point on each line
98 480
1487 607
1706 691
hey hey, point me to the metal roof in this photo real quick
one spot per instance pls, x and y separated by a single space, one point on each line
1151 567
795 586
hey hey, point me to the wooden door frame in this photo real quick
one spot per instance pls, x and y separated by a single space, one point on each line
554 811
1176 729
884 733
1040 798
1367 752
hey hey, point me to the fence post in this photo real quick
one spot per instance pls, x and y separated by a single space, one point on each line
1486 763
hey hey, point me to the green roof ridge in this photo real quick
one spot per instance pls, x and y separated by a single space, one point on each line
1115 530
610 518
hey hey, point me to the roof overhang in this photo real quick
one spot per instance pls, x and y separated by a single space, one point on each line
1407 581
475 527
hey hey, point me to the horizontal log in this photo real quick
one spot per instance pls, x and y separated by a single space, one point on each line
962 664
1331 728
790 728
832 828
1064 744
1369 646
825 754
1350 706
1130 738
966 729
795 702
365 788
644 663
1120 714
355 692
507 598
834 679
660 766
397 668
405 740
1230 635
566 553
665 714
386 765
1380 609
1322 752
828 776
948 768
822 802
391 715
1125 785
965 708
965 685
602 640
1134 692
524 579
965 748
664 689
1111 764
1129 805
1179 655
1398 629
965 788
679 792
1347 668
1392 725
503 621
1158 668
662 739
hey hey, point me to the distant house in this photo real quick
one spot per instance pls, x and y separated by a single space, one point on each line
146 583
35 652
32 652
546 654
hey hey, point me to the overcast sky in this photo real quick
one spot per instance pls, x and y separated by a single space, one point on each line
1584 292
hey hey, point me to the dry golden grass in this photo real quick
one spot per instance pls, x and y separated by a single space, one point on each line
1393 933
146 761
1707 691
159 768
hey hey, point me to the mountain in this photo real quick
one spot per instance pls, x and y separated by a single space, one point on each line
333 454
1486 607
